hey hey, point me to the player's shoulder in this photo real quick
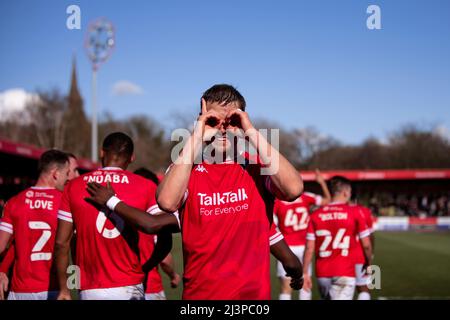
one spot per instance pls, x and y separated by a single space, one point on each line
18 197
308 195
81 179
137 179
357 208
318 211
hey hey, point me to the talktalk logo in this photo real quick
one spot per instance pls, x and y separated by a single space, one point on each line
219 198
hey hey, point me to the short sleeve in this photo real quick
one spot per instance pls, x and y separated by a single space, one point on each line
312 199
64 212
154 209
275 235
368 218
361 226
152 206
310 232
6 222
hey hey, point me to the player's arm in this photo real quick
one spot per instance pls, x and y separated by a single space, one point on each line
167 265
162 249
364 236
367 249
141 220
286 182
6 263
372 243
63 239
171 190
5 238
5 267
307 260
326 192
290 262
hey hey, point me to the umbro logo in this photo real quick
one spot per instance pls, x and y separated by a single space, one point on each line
201 168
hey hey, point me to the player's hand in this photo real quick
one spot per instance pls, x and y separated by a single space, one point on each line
99 194
307 285
4 282
296 277
366 269
175 281
319 177
297 282
207 123
64 295
239 119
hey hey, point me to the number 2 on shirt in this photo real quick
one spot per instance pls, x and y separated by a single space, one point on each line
339 242
36 255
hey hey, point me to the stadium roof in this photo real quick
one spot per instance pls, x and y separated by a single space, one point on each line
32 152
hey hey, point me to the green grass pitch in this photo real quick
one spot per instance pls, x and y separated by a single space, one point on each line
414 265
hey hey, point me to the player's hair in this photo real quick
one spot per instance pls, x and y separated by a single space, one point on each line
224 94
338 183
150 175
51 158
71 155
119 144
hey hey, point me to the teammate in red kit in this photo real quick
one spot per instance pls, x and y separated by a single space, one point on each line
292 220
362 278
225 204
331 234
8 261
31 219
154 289
73 166
107 251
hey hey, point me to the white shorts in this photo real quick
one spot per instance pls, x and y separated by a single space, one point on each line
44 295
135 292
298 251
336 288
362 279
156 296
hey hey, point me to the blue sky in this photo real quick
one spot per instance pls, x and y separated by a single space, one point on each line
300 63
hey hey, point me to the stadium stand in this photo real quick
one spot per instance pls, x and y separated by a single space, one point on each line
19 167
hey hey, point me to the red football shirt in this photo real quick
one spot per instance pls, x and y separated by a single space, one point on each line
293 217
31 217
107 250
367 214
154 282
225 225
334 228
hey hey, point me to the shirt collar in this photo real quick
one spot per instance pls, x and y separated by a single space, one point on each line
111 168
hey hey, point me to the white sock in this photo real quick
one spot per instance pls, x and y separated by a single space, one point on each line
304 295
364 296
285 296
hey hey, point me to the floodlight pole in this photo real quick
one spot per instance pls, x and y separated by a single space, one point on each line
99 43
94 131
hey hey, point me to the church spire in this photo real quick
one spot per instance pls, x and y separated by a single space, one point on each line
74 92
